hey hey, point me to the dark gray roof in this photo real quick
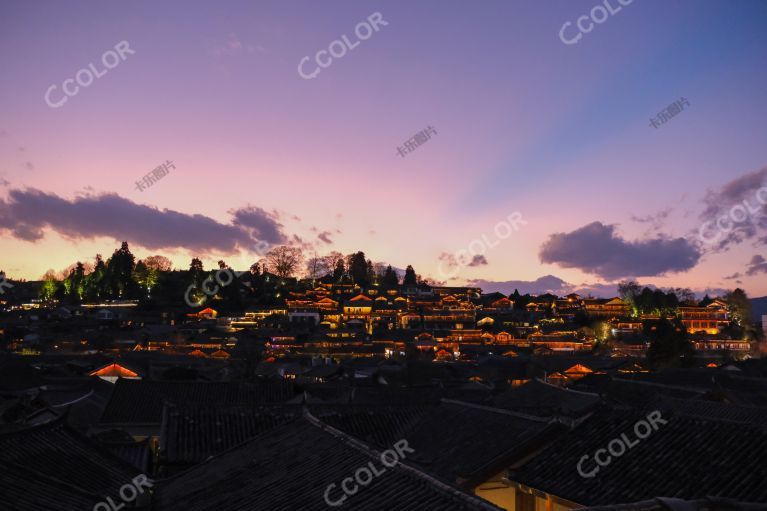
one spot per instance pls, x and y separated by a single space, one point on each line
290 468
755 416
28 490
193 433
544 400
141 401
670 504
57 451
453 440
687 458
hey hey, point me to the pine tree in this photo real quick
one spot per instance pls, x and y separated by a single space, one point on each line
410 278
390 277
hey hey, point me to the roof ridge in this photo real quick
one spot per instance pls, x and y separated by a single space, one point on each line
493 409
35 427
592 394
367 450
696 390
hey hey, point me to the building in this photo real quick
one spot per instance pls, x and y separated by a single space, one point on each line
606 308
710 319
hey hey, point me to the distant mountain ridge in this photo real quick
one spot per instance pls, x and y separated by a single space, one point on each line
758 308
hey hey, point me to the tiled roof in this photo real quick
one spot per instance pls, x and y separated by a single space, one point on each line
18 375
134 453
383 394
377 425
705 379
192 433
57 451
141 401
290 468
451 440
27 490
669 504
622 391
756 416
686 458
463 441
544 400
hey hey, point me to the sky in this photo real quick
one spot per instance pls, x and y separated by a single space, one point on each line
545 164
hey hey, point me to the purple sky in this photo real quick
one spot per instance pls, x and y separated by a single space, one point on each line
524 123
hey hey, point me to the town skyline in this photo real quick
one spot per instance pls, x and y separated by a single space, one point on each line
608 192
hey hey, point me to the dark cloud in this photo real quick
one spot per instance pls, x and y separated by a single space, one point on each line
478 260
28 165
742 193
26 213
325 237
597 249
261 224
757 265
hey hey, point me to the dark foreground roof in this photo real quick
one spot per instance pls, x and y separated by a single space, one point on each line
193 433
669 504
290 467
55 451
545 400
141 401
460 443
755 416
633 393
379 426
687 458
31 491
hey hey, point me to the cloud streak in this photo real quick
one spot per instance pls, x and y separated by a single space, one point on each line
756 266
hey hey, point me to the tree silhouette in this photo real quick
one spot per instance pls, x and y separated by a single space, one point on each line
410 277
390 277
358 268
283 261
